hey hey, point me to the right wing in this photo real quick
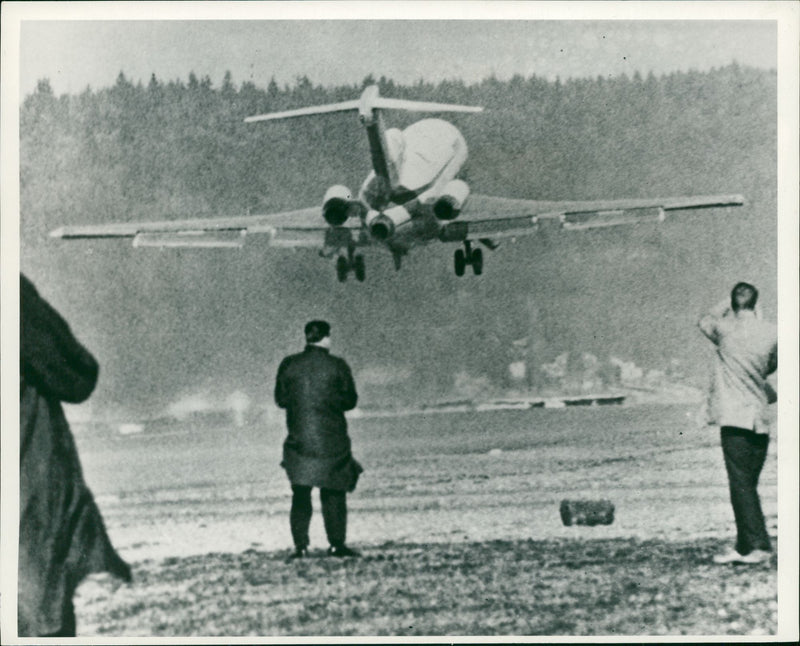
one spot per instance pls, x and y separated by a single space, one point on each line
300 228
486 217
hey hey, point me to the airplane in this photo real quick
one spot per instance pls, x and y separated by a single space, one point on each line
413 195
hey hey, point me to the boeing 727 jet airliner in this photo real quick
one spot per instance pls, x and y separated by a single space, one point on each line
413 195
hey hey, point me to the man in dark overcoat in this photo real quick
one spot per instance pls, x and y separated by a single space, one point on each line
62 537
316 389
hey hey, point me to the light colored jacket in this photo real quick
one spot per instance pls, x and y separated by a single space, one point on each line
747 352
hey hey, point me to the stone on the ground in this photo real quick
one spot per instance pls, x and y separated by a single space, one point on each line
587 512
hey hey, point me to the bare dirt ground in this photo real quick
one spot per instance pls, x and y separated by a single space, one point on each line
457 519
525 587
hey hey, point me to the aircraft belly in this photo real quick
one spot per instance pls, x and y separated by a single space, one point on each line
421 229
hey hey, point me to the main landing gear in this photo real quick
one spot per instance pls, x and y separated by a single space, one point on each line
351 262
468 256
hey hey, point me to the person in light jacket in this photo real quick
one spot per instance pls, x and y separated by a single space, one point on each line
62 537
747 352
316 389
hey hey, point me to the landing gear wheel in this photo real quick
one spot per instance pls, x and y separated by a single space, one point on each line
360 268
342 268
460 261
476 260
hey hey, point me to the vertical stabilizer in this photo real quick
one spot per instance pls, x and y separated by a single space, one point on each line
369 107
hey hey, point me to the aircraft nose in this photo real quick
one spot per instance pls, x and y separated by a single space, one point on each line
382 228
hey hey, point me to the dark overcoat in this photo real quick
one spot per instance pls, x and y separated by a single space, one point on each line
62 537
316 389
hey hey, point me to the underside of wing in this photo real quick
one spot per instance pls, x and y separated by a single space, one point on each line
497 217
299 228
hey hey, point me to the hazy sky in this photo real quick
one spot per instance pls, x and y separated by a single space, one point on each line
74 54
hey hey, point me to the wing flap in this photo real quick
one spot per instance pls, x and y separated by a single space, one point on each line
301 228
501 228
192 239
288 238
192 227
498 217
596 219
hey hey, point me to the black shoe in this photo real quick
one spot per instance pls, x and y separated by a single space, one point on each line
299 553
342 551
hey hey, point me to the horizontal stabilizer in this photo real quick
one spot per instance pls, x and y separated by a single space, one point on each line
302 112
422 106
370 100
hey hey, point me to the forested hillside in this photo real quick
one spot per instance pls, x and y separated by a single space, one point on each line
172 322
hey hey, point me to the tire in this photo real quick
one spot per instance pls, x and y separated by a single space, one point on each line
477 261
460 261
342 268
360 268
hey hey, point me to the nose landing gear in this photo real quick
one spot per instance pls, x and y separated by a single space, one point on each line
351 262
468 256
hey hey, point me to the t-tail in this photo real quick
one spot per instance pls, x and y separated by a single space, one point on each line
369 107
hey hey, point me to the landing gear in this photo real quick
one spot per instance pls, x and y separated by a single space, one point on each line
468 256
360 268
460 261
342 268
351 262
476 260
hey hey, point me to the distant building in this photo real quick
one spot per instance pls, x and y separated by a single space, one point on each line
234 408
630 373
518 374
239 404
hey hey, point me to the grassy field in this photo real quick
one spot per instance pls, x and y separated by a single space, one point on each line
457 517
529 587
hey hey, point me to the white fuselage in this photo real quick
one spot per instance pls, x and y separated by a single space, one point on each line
418 168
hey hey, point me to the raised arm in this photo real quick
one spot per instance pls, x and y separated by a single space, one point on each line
709 322
772 362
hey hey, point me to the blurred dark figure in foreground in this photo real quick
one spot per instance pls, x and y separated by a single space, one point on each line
316 389
747 352
62 537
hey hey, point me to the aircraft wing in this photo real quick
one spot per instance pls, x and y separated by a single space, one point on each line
486 217
299 228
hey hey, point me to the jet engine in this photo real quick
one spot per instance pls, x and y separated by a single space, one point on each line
383 226
451 201
338 205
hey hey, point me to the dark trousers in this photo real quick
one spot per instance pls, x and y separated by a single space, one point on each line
745 452
334 515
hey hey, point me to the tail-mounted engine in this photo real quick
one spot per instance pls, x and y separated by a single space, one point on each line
338 205
383 226
452 200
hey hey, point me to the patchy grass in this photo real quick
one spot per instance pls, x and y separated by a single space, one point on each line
544 587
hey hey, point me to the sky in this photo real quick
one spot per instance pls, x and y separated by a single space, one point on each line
73 53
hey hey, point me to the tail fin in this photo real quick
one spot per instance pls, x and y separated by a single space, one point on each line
370 100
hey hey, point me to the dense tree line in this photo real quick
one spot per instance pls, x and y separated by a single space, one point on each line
168 149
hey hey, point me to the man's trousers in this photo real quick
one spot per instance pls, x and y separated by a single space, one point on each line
745 452
334 515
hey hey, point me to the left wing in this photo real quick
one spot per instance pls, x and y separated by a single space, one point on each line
299 228
486 217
